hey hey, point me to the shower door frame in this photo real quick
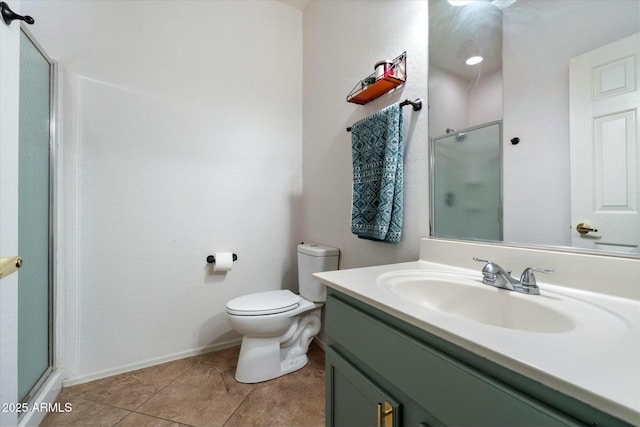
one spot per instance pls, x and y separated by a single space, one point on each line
432 206
39 385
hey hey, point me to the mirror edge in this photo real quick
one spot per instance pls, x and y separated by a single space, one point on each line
563 249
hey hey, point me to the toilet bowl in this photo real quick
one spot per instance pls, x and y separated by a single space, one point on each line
275 339
278 326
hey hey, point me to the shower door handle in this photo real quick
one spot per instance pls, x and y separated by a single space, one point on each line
9 265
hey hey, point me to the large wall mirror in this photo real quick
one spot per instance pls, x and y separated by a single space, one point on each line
562 80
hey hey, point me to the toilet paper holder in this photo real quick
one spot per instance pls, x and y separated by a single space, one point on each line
211 259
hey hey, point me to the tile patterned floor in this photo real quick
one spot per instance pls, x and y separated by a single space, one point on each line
197 391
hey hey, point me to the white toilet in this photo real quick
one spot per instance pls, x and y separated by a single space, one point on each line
278 326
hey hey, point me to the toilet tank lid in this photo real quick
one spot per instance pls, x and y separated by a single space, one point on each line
269 302
315 249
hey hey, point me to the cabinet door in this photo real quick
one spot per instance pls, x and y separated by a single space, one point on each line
353 399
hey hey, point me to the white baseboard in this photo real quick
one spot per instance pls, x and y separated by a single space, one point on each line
150 362
67 382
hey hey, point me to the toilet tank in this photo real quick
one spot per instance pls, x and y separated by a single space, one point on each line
313 258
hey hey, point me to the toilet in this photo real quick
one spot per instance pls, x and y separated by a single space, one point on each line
278 326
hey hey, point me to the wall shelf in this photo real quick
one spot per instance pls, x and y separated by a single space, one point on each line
379 83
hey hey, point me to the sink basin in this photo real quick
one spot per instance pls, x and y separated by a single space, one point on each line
468 298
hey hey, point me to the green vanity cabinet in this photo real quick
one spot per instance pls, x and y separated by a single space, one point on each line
356 399
374 359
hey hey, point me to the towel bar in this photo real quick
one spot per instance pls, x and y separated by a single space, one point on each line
417 106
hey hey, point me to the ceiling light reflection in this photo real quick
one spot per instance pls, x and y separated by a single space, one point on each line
474 60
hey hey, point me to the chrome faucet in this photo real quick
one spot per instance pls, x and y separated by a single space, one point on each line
494 275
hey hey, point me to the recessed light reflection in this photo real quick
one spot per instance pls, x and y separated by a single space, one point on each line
474 60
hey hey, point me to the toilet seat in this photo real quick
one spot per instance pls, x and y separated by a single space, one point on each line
261 303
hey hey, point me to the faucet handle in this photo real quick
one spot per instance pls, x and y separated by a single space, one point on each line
491 267
528 279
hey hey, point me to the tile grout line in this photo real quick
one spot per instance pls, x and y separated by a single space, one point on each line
120 418
253 389
186 369
159 391
87 397
106 405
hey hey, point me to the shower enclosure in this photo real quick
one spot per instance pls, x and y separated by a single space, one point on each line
466 183
35 223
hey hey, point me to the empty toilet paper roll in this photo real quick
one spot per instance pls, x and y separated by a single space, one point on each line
224 261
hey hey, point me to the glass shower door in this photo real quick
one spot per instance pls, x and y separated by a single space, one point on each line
466 184
34 219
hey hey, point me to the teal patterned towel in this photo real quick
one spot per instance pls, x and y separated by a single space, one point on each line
377 153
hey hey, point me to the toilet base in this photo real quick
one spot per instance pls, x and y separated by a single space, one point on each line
263 359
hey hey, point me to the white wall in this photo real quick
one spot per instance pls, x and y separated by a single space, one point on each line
540 39
342 42
182 127
9 84
448 102
457 103
485 99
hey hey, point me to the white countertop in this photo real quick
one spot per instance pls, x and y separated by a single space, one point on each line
595 362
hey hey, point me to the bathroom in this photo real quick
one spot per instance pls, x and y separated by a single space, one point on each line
192 127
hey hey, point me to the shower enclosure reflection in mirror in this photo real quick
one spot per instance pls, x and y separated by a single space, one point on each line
537 98
465 183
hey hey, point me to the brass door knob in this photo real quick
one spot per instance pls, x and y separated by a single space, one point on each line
9 265
584 228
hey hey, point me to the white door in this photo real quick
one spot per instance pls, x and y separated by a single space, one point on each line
605 154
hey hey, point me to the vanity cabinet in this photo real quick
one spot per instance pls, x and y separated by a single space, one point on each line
383 371
356 400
